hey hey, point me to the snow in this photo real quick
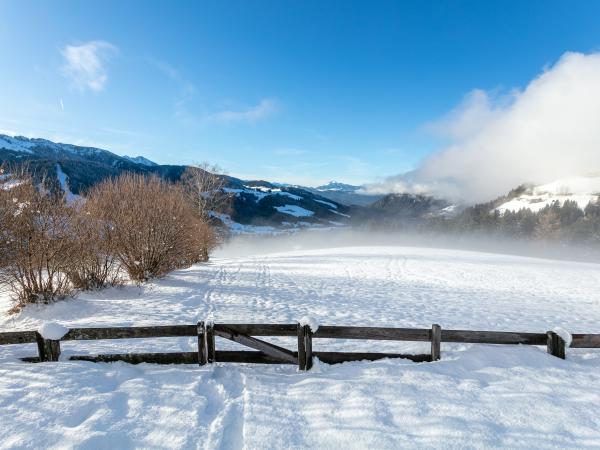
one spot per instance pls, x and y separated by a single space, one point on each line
337 186
477 396
261 192
16 143
581 190
53 331
26 145
294 210
311 322
564 334
331 205
340 214
10 184
238 228
140 160
64 185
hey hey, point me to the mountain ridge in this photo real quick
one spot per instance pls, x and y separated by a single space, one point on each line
254 203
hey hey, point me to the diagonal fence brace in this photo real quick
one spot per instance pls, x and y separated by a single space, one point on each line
265 347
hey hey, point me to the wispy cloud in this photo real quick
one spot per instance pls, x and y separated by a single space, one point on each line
265 108
85 64
188 88
188 91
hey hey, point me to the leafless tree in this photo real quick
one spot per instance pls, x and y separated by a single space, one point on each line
203 186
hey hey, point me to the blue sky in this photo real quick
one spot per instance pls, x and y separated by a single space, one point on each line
302 92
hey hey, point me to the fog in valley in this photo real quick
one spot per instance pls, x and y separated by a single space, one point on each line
248 245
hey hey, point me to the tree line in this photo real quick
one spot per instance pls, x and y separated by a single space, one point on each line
133 227
564 222
560 222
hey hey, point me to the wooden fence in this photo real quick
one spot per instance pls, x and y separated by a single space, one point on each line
267 353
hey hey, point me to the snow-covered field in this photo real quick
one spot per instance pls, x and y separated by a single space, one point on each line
477 396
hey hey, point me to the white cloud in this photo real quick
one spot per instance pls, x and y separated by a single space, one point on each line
266 107
547 131
85 64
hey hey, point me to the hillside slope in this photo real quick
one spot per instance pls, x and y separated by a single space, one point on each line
582 190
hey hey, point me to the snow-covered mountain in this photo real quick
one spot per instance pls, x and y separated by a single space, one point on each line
346 194
19 147
263 207
256 206
337 186
582 190
140 160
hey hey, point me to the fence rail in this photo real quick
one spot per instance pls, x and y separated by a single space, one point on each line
264 352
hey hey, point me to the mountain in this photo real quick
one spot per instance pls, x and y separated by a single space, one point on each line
263 207
346 194
397 209
337 186
582 190
83 166
255 206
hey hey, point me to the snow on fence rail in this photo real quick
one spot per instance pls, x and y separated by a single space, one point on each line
267 353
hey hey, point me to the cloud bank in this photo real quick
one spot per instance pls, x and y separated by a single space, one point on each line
85 64
547 131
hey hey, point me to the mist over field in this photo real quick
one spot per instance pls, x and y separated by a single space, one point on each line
248 245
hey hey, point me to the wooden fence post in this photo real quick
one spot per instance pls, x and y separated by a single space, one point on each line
202 347
305 353
210 342
436 339
308 347
301 348
48 349
555 345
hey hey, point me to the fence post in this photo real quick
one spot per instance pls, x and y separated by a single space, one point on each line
555 345
308 359
48 349
305 353
436 339
210 342
301 348
202 350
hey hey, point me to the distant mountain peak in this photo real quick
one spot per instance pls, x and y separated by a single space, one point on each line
337 186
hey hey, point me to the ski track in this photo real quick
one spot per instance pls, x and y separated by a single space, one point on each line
478 396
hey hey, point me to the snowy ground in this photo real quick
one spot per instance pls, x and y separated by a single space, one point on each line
477 396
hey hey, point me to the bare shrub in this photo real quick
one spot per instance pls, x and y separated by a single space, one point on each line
94 264
36 239
150 224
203 239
